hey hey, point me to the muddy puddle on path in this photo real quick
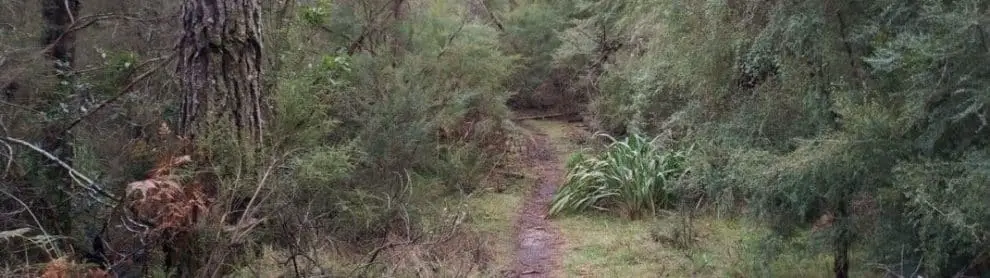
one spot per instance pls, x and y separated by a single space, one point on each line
537 239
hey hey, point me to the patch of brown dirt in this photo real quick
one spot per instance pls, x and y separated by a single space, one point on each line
537 239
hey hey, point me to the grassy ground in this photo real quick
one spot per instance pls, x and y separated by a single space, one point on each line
606 246
602 245
493 215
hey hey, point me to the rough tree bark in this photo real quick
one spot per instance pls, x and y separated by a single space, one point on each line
60 45
220 67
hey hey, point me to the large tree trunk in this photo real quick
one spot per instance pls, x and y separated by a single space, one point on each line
220 67
220 61
60 45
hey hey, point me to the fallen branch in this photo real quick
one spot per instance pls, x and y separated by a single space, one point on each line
537 117
76 176
58 252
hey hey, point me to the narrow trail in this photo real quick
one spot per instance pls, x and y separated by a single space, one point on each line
537 239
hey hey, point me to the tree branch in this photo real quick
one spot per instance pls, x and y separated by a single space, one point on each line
18 106
76 176
359 42
121 93
58 251
450 39
10 160
498 23
86 21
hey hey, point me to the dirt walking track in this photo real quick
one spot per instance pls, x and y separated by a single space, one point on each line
537 239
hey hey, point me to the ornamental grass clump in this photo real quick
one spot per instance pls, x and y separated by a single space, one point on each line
632 177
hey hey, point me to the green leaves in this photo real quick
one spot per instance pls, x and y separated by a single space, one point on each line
945 202
633 175
317 14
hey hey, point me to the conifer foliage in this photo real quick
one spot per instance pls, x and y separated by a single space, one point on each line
868 114
859 126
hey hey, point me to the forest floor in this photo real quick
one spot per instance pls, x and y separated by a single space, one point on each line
600 244
508 233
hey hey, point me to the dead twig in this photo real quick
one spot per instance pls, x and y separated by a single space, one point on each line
373 27
122 91
245 225
85 22
10 152
374 255
58 252
450 39
545 116
891 272
445 237
76 176
261 184
67 7
10 160
18 106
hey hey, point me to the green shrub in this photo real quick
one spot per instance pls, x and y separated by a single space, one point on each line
633 175
530 33
944 209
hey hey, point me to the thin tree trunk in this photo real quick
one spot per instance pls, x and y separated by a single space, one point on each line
842 243
220 67
59 16
398 39
841 265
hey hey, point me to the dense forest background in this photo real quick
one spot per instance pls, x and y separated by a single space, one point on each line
200 138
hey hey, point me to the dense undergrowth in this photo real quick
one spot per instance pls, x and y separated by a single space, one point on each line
856 120
376 113
844 131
